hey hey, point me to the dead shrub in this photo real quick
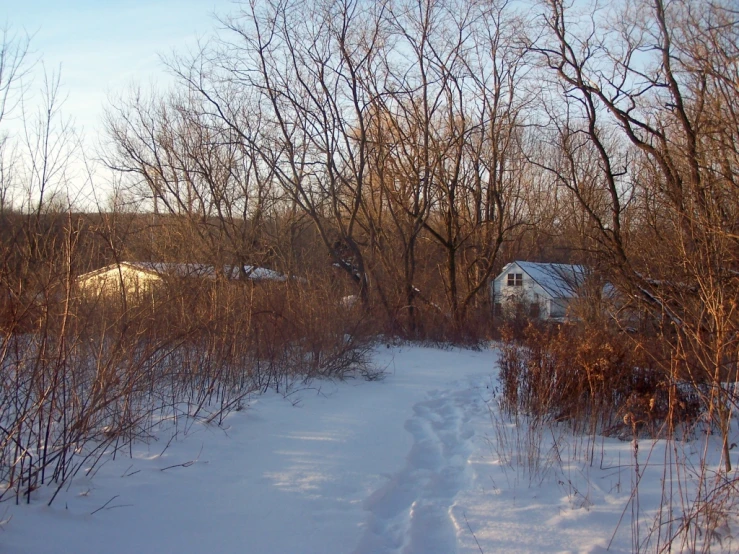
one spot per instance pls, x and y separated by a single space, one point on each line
95 374
590 377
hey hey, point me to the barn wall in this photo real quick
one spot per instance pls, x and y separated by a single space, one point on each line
529 293
135 282
558 307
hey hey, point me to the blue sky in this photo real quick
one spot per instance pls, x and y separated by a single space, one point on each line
103 46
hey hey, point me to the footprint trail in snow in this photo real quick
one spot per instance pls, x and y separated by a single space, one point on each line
411 513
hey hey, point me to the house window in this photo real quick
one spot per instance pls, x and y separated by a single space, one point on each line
515 279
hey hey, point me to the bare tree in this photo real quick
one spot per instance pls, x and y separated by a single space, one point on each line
14 67
382 123
459 90
189 165
291 88
648 129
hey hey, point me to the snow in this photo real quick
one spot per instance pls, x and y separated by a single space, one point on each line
419 462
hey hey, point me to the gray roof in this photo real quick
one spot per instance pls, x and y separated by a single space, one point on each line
203 270
558 280
198 270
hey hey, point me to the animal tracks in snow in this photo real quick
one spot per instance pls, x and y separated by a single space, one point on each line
411 513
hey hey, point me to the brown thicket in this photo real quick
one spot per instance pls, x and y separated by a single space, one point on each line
645 123
85 373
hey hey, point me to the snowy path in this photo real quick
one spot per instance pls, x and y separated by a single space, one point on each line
355 466
418 463
412 512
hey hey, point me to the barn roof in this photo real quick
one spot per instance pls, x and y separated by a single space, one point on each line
558 280
195 270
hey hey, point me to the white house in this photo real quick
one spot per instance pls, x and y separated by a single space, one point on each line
545 290
139 278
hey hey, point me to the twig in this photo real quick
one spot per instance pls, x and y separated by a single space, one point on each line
464 514
185 464
119 506
104 505
5 520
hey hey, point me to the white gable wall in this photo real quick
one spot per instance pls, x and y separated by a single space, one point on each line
530 292
107 281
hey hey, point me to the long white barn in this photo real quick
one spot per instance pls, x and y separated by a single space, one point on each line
545 289
138 278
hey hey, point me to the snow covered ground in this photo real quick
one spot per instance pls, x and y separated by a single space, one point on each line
419 462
